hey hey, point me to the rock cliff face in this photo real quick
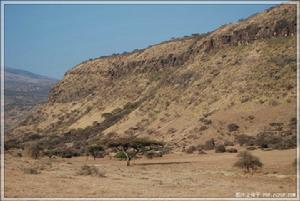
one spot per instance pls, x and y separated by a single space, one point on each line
183 91
279 22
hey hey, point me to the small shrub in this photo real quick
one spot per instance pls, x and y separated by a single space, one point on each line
32 137
64 153
151 154
231 150
275 124
209 145
190 149
245 140
69 153
91 170
16 153
248 162
228 143
232 127
250 148
293 123
53 152
33 150
53 141
205 121
172 130
267 149
31 171
251 117
12 144
202 128
220 149
200 151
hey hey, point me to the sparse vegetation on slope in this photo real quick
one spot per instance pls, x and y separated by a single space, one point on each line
195 91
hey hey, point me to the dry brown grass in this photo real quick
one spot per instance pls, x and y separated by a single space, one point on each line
174 175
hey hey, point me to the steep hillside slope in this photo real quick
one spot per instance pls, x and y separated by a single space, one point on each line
23 90
238 79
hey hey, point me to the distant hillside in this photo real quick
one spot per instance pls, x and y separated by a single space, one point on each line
240 79
23 90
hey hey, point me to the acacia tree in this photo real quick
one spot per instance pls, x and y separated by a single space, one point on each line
95 150
132 146
130 153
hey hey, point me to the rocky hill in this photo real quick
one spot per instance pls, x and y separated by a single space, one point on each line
239 80
23 90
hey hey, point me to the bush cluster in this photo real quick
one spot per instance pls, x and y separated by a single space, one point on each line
64 153
220 149
268 140
232 127
248 162
31 171
190 149
209 145
91 170
245 140
33 150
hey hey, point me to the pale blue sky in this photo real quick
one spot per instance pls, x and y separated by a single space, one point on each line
51 39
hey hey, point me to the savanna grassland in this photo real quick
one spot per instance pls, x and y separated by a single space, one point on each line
173 175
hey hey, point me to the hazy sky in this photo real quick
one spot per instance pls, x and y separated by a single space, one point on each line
51 39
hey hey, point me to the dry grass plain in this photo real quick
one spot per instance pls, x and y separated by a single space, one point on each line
173 175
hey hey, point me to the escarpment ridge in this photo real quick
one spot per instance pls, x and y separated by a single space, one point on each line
184 92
